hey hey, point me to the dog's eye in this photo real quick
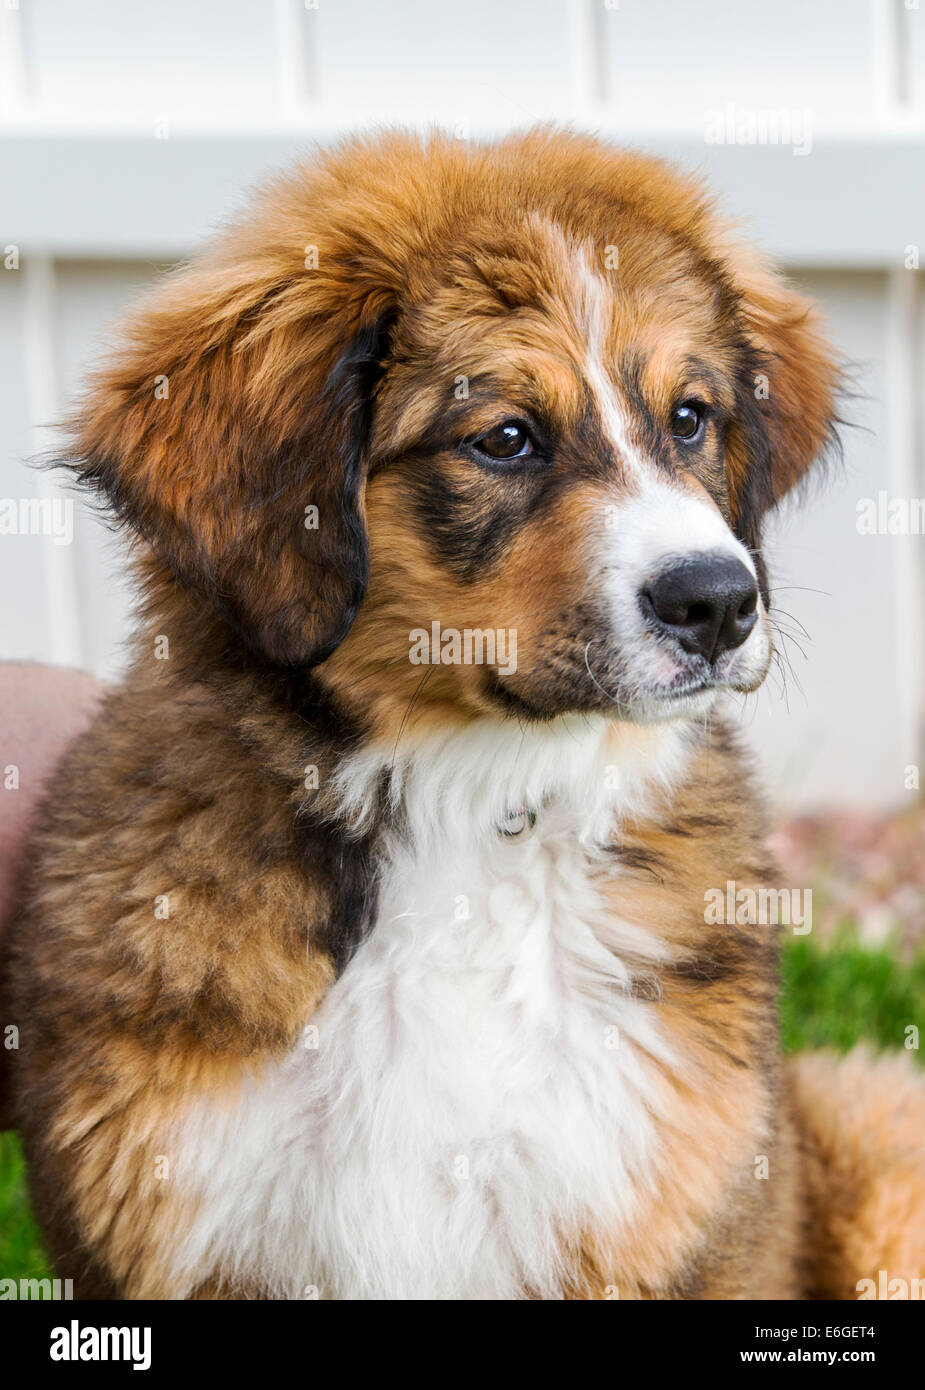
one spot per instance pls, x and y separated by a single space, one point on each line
511 440
687 421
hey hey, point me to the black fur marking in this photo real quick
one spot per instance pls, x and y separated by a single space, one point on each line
509 701
640 861
348 868
471 520
470 523
692 825
348 399
729 957
345 863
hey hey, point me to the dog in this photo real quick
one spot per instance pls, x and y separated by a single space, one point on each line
364 952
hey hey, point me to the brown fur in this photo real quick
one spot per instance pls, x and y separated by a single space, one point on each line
861 1125
331 385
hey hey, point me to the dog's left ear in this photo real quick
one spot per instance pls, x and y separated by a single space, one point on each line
786 393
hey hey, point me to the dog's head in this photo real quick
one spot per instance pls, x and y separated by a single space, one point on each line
503 423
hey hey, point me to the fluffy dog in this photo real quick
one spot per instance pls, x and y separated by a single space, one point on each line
365 951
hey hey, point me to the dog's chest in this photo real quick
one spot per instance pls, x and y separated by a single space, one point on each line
470 1094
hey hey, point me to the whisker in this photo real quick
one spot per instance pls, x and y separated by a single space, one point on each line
793 619
409 707
801 588
613 698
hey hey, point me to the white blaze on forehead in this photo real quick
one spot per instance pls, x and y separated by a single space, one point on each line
659 518
594 306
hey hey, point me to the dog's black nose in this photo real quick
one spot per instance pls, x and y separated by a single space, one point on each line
707 603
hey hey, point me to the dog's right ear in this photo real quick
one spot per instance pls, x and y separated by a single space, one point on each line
230 434
788 395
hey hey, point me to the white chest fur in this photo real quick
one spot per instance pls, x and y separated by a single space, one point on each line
474 1088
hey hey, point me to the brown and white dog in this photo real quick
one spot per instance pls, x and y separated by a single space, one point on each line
366 951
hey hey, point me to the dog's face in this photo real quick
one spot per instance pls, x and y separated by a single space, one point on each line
489 430
548 466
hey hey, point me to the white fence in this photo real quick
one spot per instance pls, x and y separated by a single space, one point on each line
128 129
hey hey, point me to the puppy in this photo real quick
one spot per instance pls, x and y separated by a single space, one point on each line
365 953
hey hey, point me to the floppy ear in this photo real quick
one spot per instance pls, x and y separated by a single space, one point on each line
238 406
786 392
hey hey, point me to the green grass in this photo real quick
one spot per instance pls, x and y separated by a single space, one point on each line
838 995
21 1254
834 996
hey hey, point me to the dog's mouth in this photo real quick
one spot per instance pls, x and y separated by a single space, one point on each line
694 686
658 679
664 686
731 672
